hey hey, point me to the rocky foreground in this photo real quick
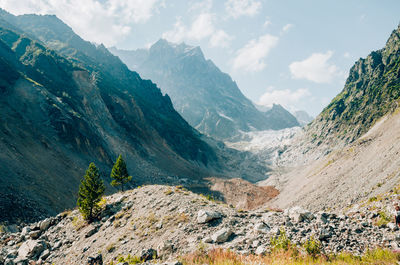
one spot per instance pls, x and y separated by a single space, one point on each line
164 222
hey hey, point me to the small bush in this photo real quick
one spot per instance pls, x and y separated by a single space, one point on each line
312 247
384 219
373 199
281 242
168 191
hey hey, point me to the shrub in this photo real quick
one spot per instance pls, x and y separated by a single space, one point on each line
281 242
313 247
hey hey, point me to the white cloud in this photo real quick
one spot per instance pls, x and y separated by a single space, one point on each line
287 98
97 21
267 22
202 6
220 39
177 34
251 56
202 27
287 27
316 68
238 8
346 55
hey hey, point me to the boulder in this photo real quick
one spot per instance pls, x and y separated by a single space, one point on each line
31 249
261 228
92 230
222 235
148 254
45 224
392 226
298 214
96 260
260 250
207 216
35 234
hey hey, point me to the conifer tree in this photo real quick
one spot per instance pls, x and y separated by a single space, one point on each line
119 174
90 192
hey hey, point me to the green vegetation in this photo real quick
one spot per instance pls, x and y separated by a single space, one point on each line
281 242
129 259
383 219
90 193
372 90
119 173
312 247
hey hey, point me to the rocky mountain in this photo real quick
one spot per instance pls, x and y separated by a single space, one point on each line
206 97
303 117
349 153
162 224
371 91
66 102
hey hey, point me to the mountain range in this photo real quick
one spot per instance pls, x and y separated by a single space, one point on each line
205 96
66 102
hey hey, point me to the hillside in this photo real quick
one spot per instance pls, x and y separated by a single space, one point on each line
165 223
350 151
371 91
64 108
206 97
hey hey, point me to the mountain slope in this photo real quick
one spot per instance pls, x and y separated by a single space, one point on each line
59 114
371 91
206 97
350 151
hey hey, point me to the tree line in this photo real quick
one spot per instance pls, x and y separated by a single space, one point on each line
92 187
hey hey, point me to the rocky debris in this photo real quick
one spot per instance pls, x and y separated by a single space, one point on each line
204 216
160 221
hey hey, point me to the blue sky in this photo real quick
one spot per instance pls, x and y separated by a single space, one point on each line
296 53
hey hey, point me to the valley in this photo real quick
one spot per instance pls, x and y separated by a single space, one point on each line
212 171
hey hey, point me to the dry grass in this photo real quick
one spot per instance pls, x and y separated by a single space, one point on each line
289 257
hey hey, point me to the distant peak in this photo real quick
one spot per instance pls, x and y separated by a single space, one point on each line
182 48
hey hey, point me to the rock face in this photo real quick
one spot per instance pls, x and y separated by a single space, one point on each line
161 221
371 91
206 97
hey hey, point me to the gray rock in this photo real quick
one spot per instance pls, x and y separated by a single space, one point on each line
35 234
222 235
31 249
45 254
45 224
298 214
207 216
25 231
392 226
93 230
148 254
260 250
97 260
207 240
261 228
165 247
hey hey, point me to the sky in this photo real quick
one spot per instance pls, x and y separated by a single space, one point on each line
291 52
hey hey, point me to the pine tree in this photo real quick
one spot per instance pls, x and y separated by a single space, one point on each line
119 174
90 192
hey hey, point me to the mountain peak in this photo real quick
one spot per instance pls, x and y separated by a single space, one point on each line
162 45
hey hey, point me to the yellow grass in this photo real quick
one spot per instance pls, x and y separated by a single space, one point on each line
289 257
